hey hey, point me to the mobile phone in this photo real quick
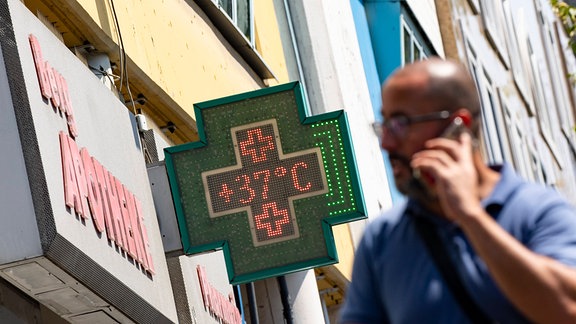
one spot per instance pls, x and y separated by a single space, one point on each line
453 131
455 128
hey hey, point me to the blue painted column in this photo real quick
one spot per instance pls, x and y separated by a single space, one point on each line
379 35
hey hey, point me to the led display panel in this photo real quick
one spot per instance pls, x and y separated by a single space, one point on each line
265 183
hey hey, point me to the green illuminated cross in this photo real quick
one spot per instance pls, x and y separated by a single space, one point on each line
265 183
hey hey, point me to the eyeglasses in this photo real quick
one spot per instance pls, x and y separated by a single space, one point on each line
397 126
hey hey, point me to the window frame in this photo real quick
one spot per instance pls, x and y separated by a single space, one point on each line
475 5
541 81
233 16
555 62
492 120
246 48
417 41
514 114
492 13
514 32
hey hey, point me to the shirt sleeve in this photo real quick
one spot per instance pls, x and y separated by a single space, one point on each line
362 300
550 227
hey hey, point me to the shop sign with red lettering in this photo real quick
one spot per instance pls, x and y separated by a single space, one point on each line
221 307
90 190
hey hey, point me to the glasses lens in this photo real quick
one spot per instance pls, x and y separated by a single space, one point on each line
397 126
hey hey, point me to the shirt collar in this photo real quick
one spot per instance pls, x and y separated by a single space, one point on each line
505 187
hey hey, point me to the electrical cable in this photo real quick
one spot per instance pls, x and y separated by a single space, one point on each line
110 76
124 78
120 46
122 53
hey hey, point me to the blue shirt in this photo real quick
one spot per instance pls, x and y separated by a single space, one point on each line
394 279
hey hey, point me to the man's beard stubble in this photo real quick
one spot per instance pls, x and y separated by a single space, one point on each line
414 187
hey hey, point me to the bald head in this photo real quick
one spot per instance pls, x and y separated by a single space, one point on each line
443 83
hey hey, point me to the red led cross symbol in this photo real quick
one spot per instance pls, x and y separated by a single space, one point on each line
256 145
265 182
272 219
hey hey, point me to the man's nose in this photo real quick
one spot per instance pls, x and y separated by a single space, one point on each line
387 140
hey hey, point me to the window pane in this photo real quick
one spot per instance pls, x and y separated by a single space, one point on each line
417 52
495 131
227 6
407 46
243 18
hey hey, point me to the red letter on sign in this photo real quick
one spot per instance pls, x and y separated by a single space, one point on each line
106 208
203 286
120 219
95 200
66 106
115 214
138 253
80 177
52 77
71 195
131 230
75 192
148 264
40 68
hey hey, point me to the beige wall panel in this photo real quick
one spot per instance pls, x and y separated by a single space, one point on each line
268 42
177 46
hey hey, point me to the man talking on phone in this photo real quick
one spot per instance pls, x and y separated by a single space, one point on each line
472 243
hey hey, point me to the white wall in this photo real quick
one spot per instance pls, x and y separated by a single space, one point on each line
19 236
425 12
335 79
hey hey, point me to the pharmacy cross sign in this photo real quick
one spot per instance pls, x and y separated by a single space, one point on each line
265 183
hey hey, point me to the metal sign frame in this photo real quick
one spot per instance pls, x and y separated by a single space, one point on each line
259 152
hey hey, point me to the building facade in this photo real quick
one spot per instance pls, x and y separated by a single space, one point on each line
519 55
391 34
93 92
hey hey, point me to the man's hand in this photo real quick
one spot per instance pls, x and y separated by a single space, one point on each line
450 163
543 289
